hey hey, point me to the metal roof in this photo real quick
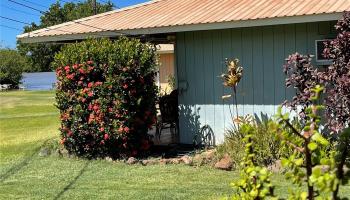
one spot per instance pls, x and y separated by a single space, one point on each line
162 16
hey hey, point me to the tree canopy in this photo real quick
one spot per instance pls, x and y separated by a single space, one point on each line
40 56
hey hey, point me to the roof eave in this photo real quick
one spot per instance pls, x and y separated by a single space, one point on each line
191 27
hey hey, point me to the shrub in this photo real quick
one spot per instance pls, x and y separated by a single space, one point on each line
11 67
106 96
336 79
267 149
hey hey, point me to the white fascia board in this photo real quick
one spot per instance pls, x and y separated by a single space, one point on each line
185 28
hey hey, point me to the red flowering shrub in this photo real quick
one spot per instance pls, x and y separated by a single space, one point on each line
106 97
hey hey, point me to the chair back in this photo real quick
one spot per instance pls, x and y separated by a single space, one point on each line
169 110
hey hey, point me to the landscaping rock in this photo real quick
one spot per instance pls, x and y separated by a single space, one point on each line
210 154
198 159
225 163
164 161
187 160
175 161
149 162
131 161
44 152
109 159
275 167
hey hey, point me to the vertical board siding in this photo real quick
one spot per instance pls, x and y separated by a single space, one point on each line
200 58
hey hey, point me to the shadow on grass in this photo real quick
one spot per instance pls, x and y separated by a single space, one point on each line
15 169
65 189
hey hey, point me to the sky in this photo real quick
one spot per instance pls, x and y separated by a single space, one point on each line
9 29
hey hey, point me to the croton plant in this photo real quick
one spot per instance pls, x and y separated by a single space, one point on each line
106 97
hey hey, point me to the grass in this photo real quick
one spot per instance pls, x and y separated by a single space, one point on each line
28 119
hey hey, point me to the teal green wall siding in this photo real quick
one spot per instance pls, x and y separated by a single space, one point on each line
200 57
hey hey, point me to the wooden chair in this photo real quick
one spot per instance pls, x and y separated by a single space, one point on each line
169 114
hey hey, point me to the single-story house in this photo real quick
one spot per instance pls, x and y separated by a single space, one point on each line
261 33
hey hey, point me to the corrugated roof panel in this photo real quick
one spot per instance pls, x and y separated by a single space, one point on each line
168 13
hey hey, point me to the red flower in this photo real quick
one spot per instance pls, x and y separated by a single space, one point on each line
102 142
126 129
90 107
70 76
89 62
63 140
67 68
106 136
98 83
125 86
90 84
70 133
90 94
80 82
121 129
75 66
110 109
81 70
102 129
96 107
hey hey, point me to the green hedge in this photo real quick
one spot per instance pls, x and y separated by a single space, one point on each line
106 96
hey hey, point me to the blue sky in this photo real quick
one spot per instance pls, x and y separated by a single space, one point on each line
15 11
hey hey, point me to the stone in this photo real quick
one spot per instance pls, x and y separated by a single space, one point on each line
209 155
187 160
149 162
175 161
198 159
44 152
275 167
109 159
131 161
164 161
225 163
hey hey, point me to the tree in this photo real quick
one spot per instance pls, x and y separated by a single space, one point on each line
40 56
11 67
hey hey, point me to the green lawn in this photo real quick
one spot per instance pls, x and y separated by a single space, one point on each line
28 119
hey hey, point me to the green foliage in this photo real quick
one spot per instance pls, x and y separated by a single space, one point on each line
313 160
11 67
106 96
254 182
267 148
40 56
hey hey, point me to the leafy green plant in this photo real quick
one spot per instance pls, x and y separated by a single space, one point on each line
11 67
254 182
313 160
106 97
267 148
